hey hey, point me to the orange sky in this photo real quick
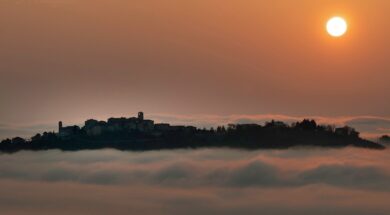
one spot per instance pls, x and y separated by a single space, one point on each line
76 59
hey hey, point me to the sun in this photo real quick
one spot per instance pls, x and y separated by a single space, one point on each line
336 26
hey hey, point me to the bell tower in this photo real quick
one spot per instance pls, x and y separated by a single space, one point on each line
59 126
140 116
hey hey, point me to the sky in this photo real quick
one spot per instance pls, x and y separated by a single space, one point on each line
209 181
71 60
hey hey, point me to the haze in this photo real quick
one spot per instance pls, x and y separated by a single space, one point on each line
72 60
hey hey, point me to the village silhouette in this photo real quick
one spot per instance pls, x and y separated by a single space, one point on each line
137 133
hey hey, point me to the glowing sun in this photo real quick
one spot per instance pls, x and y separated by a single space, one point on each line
337 26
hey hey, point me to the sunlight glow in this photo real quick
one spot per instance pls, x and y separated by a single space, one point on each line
337 27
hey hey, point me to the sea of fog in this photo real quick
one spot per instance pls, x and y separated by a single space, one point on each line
208 181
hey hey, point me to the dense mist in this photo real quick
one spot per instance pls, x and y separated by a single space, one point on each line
209 181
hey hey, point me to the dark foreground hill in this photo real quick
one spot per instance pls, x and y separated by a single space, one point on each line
139 134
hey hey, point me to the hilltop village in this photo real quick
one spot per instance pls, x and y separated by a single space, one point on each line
137 133
94 128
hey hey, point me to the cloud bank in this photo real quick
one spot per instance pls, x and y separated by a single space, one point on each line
196 181
187 168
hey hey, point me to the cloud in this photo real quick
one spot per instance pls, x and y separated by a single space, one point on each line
209 181
192 168
69 198
347 176
371 126
255 173
25 131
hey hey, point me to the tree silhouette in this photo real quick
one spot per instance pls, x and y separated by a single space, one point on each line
121 135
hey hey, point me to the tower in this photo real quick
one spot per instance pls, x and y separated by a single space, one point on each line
59 126
140 116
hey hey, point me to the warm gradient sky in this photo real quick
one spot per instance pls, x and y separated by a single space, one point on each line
76 59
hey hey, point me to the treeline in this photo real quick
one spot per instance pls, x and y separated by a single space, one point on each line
271 135
385 139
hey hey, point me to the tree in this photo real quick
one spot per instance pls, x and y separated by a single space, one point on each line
306 124
385 138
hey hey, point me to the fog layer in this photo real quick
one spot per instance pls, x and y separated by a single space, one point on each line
210 181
